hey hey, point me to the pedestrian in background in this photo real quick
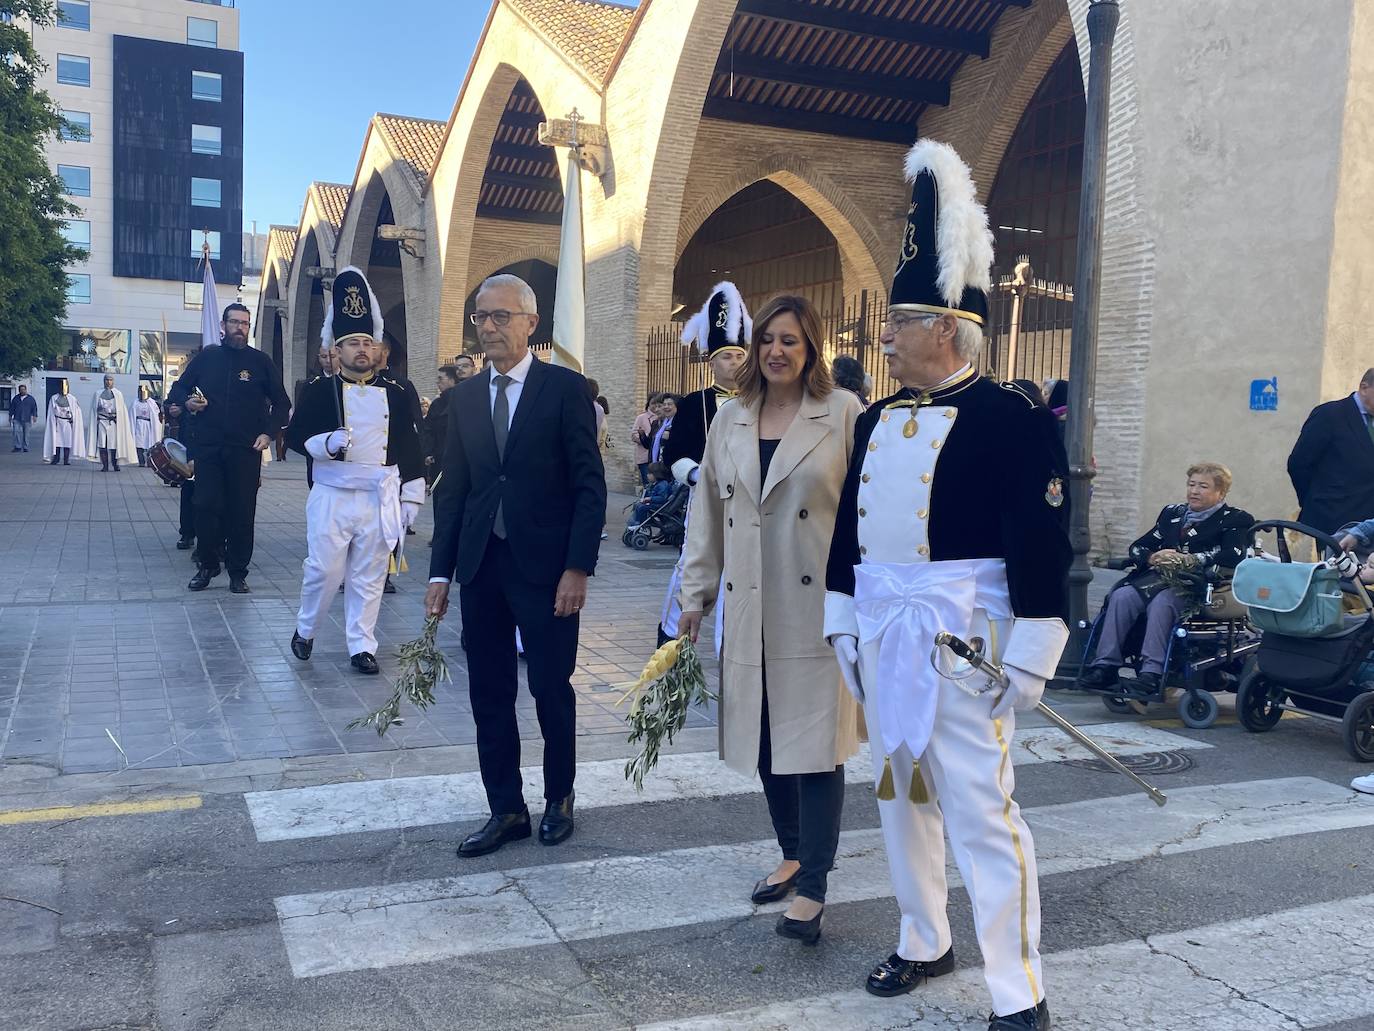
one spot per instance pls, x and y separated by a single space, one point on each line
23 414
147 424
1332 463
641 436
663 426
849 375
436 422
761 521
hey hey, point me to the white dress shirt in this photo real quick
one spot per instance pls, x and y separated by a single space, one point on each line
514 387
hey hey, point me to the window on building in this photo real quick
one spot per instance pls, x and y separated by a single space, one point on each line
77 231
73 71
204 192
207 86
202 32
76 179
79 289
192 296
76 126
206 139
212 238
74 14
95 350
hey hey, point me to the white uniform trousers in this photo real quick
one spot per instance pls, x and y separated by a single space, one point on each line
968 774
344 535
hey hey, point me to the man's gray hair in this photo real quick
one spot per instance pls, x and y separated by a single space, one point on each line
968 340
527 302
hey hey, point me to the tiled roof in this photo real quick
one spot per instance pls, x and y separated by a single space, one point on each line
333 199
416 142
587 31
281 243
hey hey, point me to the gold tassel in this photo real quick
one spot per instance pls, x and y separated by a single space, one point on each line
886 792
918 793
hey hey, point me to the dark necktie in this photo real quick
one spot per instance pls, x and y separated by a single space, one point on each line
500 425
1369 425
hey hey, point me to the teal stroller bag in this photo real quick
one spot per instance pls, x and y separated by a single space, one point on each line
1296 599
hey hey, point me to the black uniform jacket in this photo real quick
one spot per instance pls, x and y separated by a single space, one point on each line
550 483
245 392
1219 541
687 438
1332 467
318 412
998 490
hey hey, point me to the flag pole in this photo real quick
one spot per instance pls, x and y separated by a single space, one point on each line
569 306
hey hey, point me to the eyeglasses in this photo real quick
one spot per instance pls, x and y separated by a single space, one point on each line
900 322
499 318
242 323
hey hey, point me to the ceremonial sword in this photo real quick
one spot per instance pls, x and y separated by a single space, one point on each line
999 676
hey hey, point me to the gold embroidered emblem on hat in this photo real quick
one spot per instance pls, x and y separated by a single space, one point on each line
909 249
353 304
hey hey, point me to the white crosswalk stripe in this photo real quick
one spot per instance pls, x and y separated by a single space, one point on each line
391 925
1299 968
376 805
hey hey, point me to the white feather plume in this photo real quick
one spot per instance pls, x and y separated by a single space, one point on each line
378 325
739 327
962 235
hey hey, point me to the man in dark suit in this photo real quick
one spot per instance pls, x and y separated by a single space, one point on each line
517 522
1332 464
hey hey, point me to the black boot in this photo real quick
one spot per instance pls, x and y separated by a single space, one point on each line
104 460
56 456
114 459
557 824
1037 1018
897 976
142 457
202 578
66 456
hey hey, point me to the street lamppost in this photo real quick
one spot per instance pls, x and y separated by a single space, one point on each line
1103 16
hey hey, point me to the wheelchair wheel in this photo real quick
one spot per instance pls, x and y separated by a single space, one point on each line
1197 709
640 540
1117 705
1358 727
625 538
1255 709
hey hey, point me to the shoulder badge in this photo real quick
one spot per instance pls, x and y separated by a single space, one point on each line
244 376
1054 493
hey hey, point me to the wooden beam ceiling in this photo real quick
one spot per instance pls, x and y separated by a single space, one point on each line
796 12
544 184
872 84
546 218
808 121
524 152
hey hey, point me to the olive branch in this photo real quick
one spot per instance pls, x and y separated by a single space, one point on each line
423 666
670 685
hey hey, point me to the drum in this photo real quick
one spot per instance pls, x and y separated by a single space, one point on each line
168 459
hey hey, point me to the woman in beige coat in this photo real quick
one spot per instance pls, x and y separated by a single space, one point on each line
762 515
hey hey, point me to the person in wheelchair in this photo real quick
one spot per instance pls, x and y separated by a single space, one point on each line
1202 536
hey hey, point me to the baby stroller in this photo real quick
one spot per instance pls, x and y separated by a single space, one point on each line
1206 653
1311 653
666 524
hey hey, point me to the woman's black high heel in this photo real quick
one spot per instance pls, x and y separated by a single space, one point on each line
808 932
765 892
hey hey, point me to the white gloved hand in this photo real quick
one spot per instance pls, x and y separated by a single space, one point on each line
1024 691
410 511
847 655
1346 564
336 441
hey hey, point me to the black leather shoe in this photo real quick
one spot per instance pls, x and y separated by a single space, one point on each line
501 828
897 976
1099 676
55 459
388 587
300 647
202 579
808 932
764 892
364 662
1145 684
238 585
557 824
186 543
1037 1018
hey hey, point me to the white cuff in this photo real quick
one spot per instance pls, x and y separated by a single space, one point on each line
840 615
438 579
317 450
412 490
684 471
1035 646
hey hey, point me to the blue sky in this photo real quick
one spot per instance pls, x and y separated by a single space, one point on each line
315 72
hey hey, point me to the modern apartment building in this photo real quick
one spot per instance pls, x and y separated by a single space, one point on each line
153 157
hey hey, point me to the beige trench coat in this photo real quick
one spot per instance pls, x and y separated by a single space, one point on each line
771 542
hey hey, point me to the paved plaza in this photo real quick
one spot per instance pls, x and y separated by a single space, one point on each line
191 841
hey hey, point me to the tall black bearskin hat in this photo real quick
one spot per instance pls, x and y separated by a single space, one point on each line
945 263
722 324
353 309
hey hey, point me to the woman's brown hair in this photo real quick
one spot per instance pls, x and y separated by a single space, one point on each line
815 376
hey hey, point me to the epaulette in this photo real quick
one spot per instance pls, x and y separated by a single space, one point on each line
1019 392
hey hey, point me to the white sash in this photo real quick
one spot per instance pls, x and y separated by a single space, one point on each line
384 480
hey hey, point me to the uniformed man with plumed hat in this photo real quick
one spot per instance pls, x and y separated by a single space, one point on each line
359 428
722 329
952 518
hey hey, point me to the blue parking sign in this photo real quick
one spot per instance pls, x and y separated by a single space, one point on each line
1264 395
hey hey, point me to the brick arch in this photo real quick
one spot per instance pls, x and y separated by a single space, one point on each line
860 247
314 246
378 175
547 254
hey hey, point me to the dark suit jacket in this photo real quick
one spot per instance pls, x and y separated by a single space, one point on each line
1332 467
550 482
